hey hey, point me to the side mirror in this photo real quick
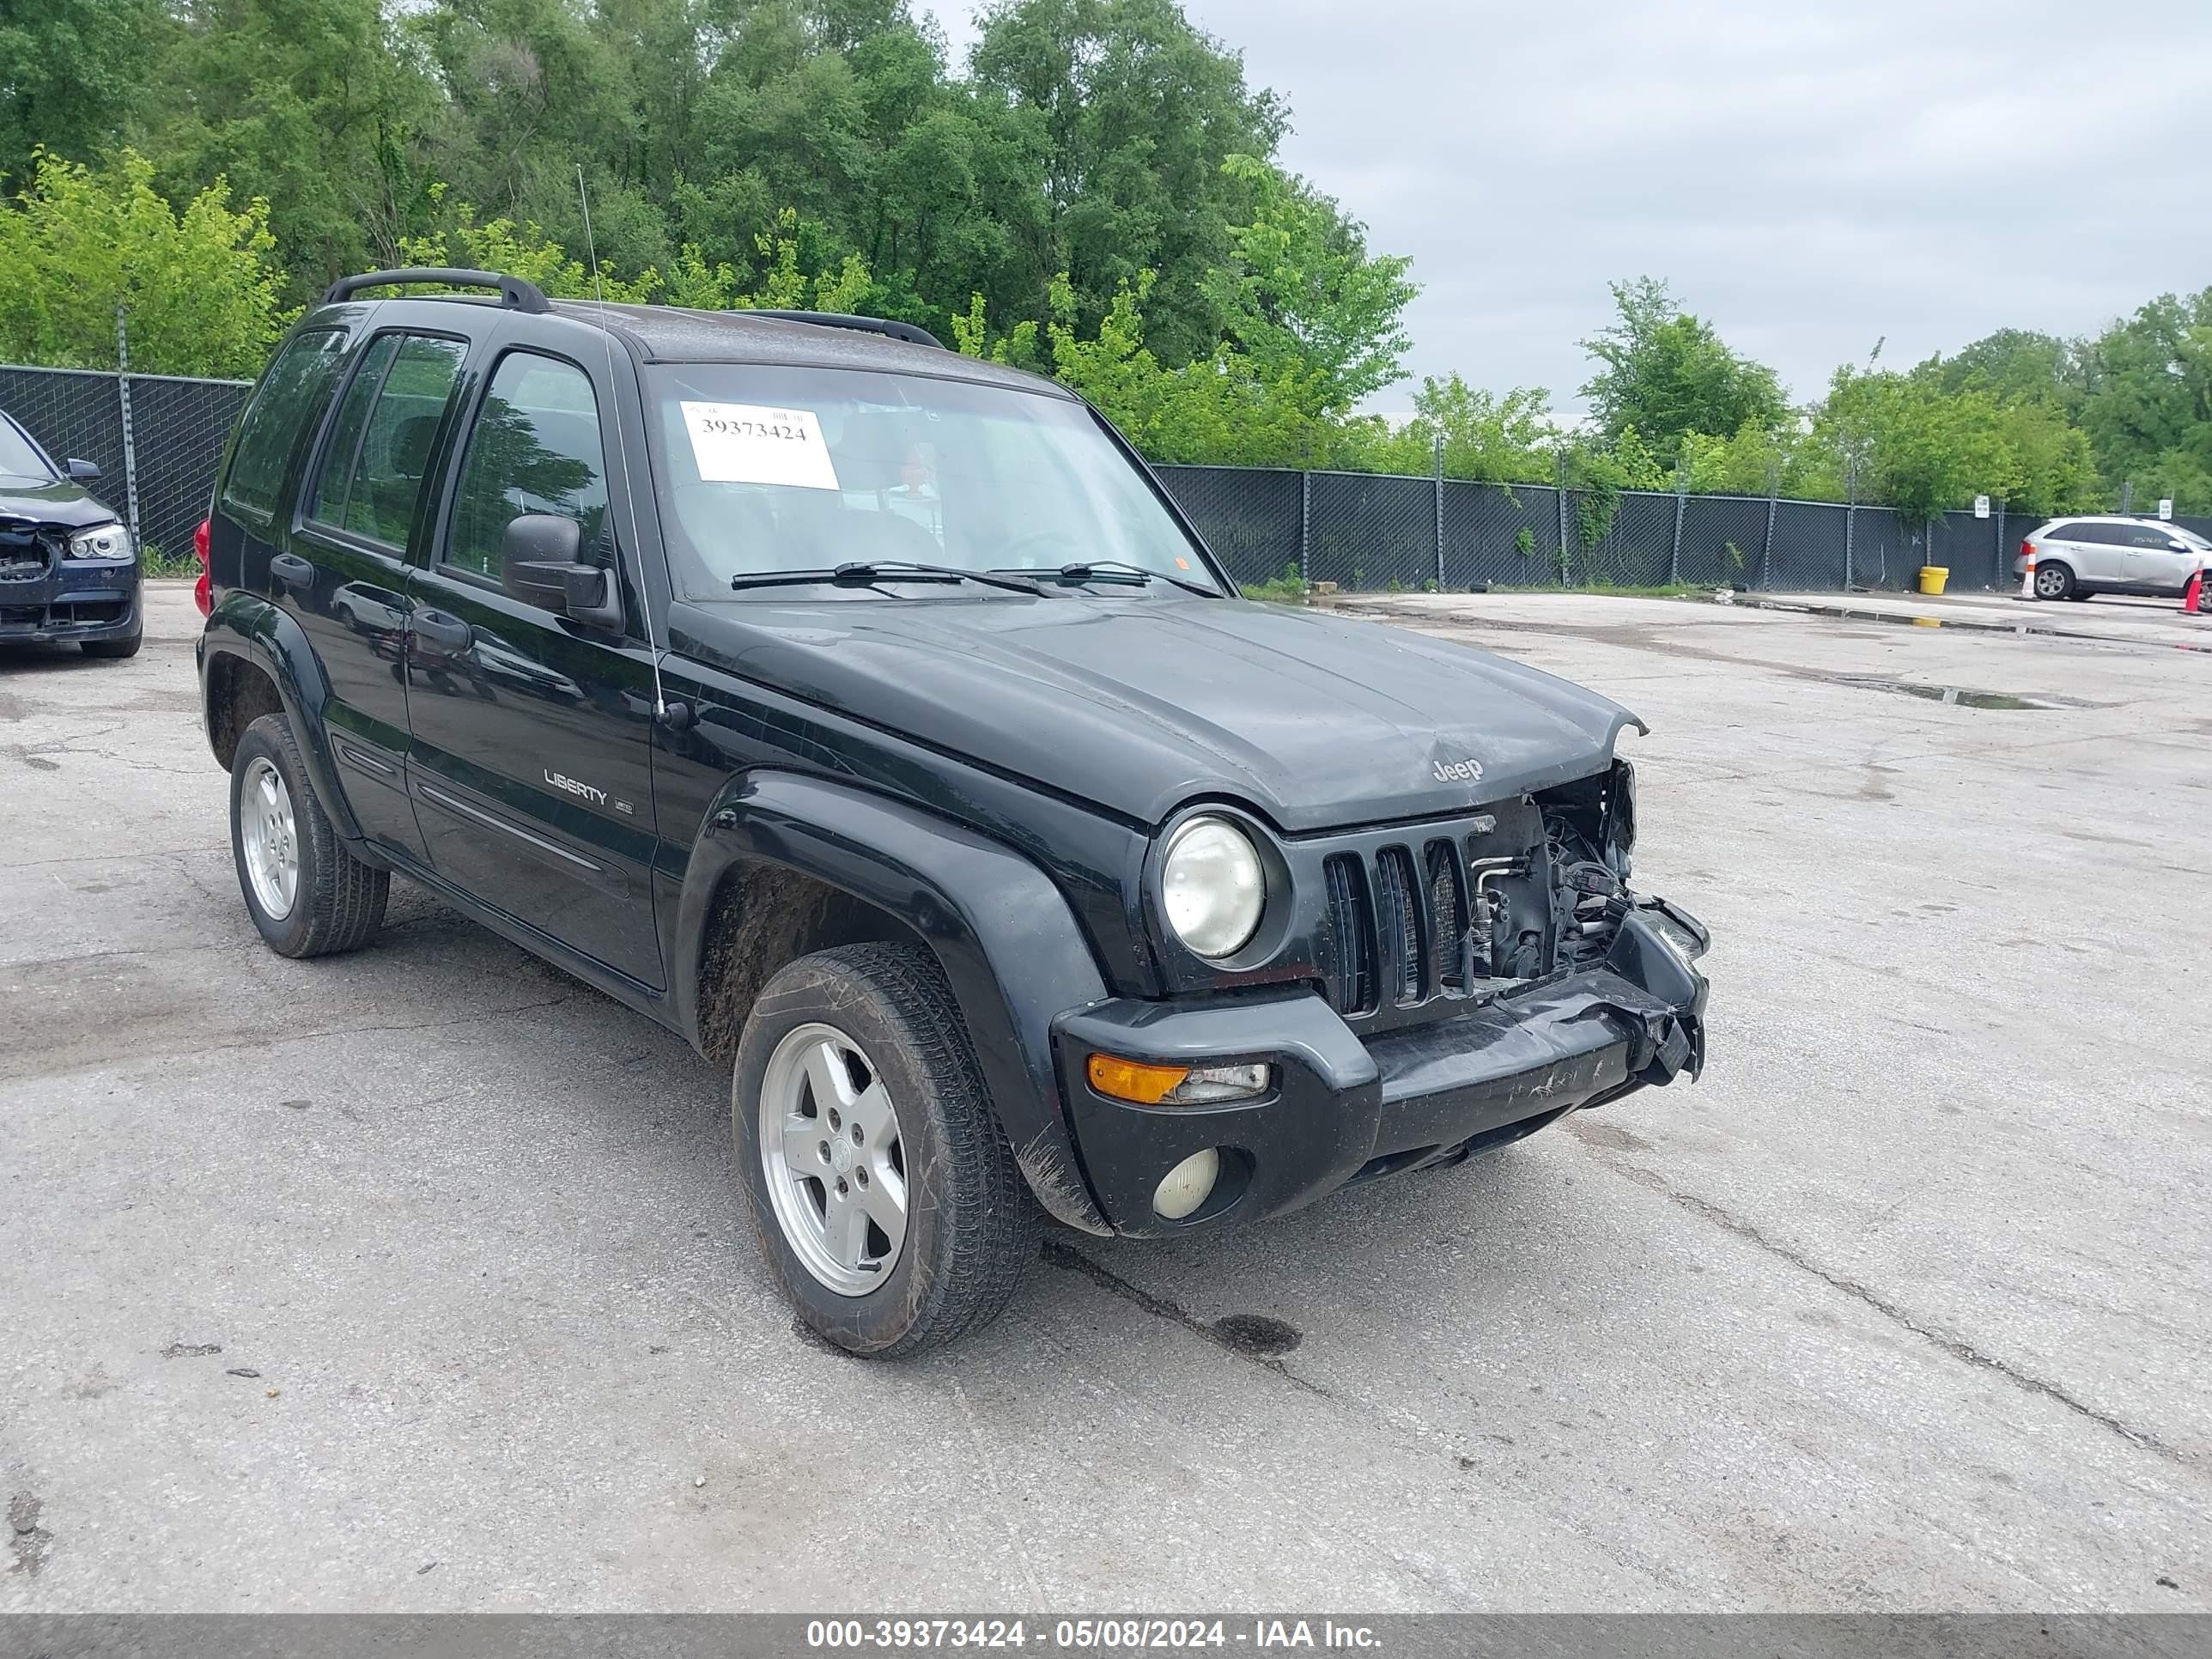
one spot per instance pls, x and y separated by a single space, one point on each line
81 472
539 565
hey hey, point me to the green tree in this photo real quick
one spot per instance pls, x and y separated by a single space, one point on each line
1508 439
71 77
309 104
1667 373
1753 460
1300 292
202 291
2014 365
2148 403
1138 111
1916 447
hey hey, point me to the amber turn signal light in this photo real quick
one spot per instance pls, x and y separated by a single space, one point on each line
1133 1080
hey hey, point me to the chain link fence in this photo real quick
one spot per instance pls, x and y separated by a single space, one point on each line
158 439
1380 533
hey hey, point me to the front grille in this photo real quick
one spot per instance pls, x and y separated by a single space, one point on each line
1411 920
24 556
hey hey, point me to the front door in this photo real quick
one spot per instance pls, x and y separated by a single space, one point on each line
343 573
2158 558
532 734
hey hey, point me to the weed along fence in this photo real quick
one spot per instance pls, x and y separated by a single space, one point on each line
158 439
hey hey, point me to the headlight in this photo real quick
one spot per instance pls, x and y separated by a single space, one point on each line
102 541
1212 887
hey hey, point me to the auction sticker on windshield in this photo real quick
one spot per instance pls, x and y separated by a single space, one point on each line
755 444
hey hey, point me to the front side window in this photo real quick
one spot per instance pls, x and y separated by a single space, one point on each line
379 447
535 447
2159 536
291 393
767 468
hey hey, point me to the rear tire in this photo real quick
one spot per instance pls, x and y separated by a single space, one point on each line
853 1061
114 650
308 894
2053 581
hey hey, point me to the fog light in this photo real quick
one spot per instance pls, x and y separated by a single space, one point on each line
1187 1186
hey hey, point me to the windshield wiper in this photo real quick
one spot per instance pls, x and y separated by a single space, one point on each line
1120 570
867 574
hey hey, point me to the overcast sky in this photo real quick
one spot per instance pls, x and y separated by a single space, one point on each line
1812 175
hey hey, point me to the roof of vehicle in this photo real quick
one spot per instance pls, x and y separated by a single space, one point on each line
2121 517
675 334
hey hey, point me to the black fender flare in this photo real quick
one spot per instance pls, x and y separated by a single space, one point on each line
1006 941
273 641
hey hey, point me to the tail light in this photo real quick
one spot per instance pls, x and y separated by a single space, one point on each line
2027 549
203 589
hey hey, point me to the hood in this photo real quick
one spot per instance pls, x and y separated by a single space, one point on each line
49 501
1138 705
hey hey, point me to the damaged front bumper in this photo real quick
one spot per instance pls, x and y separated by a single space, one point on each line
44 597
1340 1109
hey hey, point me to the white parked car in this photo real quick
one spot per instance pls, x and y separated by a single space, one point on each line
2078 556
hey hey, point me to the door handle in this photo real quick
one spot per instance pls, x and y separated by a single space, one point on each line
291 569
440 631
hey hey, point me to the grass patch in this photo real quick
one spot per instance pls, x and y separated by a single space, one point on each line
153 562
1287 588
1625 590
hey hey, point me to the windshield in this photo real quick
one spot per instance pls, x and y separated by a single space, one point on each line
17 458
766 468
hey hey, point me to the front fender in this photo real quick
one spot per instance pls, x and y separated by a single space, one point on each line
1006 939
246 626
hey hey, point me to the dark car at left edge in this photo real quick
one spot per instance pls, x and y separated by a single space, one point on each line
69 566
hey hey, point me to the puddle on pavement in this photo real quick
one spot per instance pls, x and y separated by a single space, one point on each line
1969 625
1960 696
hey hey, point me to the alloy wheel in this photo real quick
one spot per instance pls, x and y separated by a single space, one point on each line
835 1163
269 834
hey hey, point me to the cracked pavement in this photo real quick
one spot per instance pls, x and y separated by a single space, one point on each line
316 1276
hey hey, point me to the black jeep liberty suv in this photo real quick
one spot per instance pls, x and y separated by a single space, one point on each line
870 716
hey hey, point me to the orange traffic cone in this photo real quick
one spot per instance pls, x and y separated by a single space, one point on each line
2192 602
2027 571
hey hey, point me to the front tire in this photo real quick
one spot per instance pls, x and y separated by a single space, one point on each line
883 1192
114 650
308 894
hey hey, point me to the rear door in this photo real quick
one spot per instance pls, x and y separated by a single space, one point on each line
532 734
2095 550
343 574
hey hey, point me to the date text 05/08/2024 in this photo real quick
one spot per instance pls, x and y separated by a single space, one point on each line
1089 1635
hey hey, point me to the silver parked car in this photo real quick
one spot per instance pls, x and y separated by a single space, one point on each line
2078 556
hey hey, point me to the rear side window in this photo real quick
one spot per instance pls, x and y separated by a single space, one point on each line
291 393
379 447
535 448
2097 535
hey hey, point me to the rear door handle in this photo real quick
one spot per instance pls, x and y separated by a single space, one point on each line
291 569
440 631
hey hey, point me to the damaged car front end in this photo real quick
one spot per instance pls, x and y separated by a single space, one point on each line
1453 985
69 566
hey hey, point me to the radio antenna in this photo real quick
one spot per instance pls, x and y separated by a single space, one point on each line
622 450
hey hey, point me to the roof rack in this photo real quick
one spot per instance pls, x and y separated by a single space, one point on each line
515 292
884 325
